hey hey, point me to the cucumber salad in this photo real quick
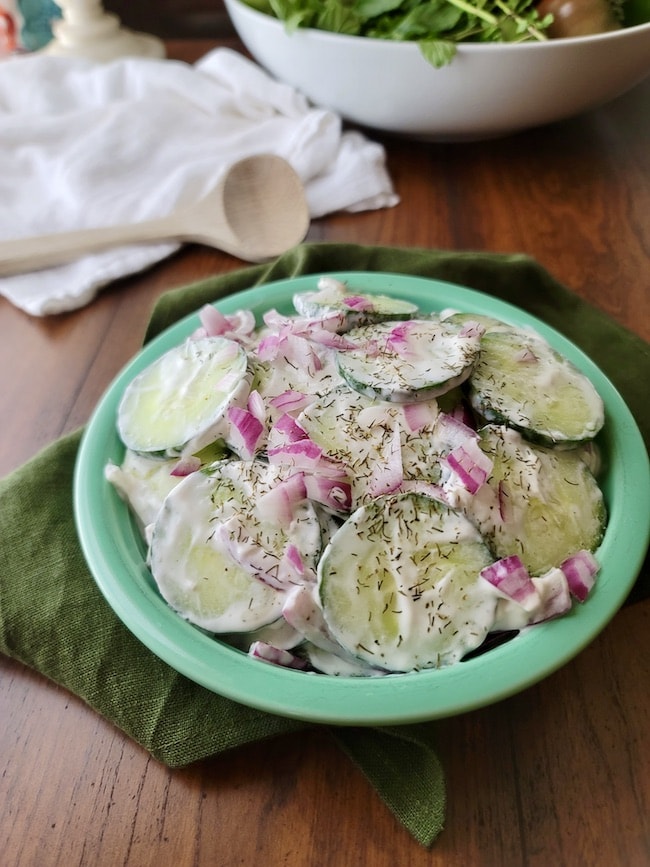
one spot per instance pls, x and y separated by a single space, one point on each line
361 488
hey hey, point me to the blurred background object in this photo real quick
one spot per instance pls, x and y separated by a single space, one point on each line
174 19
26 25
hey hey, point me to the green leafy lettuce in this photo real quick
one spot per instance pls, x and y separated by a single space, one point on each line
436 25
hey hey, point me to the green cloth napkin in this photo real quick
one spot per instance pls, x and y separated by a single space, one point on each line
53 618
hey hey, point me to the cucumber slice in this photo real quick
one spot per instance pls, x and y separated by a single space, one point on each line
487 323
399 584
192 561
519 380
143 483
542 504
359 434
179 400
409 361
354 308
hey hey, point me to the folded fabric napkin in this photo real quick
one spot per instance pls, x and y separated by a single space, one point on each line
86 145
54 619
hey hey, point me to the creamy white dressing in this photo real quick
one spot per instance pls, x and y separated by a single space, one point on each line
144 483
223 561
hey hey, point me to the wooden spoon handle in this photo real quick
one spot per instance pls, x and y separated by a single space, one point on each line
32 254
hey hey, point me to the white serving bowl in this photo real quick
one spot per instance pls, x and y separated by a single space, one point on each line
488 89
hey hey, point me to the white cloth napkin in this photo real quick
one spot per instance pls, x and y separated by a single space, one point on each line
85 144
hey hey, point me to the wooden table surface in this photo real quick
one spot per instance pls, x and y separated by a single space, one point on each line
557 775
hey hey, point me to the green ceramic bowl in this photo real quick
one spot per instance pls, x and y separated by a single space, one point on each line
115 552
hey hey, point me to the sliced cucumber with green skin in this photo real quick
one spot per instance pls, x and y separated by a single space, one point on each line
144 483
181 398
191 559
354 308
521 381
487 323
405 362
399 584
540 503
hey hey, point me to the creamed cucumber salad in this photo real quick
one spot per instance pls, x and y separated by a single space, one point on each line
360 488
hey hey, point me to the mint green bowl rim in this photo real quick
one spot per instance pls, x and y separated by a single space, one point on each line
115 552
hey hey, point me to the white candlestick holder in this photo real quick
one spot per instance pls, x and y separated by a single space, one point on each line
87 30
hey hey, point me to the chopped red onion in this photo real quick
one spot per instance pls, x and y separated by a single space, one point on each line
358 302
417 415
580 571
269 347
276 656
213 321
292 569
303 455
286 430
186 466
290 401
278 504
470 464
255 405
399 337
329 339
511 578
336 494
215 324
245 431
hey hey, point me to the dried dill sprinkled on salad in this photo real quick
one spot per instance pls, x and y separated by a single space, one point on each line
360 487
438 25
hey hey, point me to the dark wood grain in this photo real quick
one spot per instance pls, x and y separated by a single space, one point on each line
557 775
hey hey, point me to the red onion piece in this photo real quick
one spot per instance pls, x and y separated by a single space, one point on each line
510 577
245 431
335 493
470 464
417 415
187 465
358 302
215 324
286 430
399 337
303 455
278 504
580 571
290 401
255 405
276 656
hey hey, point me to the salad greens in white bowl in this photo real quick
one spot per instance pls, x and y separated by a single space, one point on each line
450 69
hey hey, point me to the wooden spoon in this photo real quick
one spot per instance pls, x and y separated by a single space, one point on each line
257 211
